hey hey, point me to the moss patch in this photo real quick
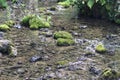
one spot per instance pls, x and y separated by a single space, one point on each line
109 74
100 48
62 34
38 22
65 42
10 23
65 4
26 19
4 27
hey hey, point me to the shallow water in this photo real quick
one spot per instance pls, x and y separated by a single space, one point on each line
31 43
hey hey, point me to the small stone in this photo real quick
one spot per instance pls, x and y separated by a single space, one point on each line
83 26
21 71
49 34
1 35
35 58
75 33
19 62
51 75
46 58
48 68
95 70
17 26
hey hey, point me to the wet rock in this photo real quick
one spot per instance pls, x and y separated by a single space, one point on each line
1 35
19 62
83 26
48 68
44 29
94 70
42 38
51 75
48 34
60 73
21 71
46 58
13 51
17 26
89 54
35 58
79 65
82 58
75 33
53 8
5 46
111 36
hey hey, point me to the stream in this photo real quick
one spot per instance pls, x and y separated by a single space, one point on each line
39 58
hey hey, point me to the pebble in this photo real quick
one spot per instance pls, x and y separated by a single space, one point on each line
83 26
21 71
48 34
35 58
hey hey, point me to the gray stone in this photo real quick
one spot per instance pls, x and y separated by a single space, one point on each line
21 71
48 34
5 46
13 51
94 70
35 58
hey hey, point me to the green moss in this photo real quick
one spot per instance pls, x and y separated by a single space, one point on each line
62 34
65 4
42 10
62 62
65 42
109 74
4 27
10 23
100 48
26 19
38 22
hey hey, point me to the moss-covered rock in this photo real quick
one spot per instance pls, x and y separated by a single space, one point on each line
109 74
62 34
10 23
100 48
38 22
26 19
65 42
4 27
